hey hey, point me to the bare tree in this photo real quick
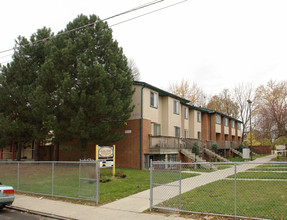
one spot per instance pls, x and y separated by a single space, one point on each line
188 91
224 103
272 108
135 70
241 93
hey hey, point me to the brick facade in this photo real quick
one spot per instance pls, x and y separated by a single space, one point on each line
128 149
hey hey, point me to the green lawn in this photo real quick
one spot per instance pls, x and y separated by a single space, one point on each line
252 199
260 175
38 179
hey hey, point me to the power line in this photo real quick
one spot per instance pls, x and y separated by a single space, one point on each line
131 10
90 24
148 13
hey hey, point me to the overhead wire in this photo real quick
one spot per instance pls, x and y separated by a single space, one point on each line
148 13
90 24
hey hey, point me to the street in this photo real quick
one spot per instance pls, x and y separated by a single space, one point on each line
9 214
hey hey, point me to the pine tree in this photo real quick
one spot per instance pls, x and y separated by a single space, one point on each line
94 88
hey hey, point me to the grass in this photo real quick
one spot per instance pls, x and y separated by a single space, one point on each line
218 198
37 178
260 175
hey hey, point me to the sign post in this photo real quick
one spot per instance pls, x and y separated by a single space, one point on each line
105 152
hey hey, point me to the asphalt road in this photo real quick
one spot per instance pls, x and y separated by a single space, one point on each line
9 214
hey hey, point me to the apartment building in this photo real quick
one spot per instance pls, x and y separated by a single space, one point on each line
162 122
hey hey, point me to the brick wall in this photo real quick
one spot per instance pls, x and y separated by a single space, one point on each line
128 149
205 126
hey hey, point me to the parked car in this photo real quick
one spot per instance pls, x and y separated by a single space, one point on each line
6 195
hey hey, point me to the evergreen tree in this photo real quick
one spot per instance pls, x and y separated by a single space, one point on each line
94 84
17 91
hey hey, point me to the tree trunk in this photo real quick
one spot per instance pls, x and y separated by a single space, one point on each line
36 150
56 151
83 149
19 149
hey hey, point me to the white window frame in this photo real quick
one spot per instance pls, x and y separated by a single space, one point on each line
238 126
199 117
176 107
185 133
153 99
232 123
177 131
185 113
199 135
218 119
156 129
226 122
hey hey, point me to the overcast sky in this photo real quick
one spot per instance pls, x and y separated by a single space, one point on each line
214 43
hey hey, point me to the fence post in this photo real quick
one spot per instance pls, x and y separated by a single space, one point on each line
98 181
18 176
179 185
80 166
53 167
151 185
235 191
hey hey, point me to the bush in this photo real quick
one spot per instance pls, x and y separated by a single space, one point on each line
214 147
195 149
105 179
240 148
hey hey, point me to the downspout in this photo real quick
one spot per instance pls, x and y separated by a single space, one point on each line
141 124
210 127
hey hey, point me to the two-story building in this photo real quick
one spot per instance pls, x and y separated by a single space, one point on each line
161 124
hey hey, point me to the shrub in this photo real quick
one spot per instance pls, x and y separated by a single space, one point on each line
240 148
214 147
105 179
195 149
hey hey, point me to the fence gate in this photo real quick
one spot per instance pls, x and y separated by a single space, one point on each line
165 183
89 175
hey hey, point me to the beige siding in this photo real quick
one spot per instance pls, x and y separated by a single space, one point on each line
226 130
218 128
194 126
232 131
174 120
239 133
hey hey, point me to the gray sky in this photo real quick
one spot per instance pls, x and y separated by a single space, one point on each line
214 43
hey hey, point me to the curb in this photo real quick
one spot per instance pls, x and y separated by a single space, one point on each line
43 214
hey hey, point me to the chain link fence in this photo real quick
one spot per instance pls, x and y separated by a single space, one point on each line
238 190
75 180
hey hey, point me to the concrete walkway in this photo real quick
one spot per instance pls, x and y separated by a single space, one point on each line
130 207
140 202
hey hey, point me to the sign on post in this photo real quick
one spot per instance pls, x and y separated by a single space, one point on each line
108 153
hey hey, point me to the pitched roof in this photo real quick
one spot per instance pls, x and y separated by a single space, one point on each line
183 100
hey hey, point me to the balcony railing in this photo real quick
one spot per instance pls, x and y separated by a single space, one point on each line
160 143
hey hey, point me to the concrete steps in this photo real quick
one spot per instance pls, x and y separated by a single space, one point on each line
218 157
188 153
236 152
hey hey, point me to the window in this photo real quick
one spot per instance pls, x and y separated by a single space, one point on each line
233 124
226 121
172 157
156 129
153 99
186 113
239 126
218 119
199 117
177 131
176 107
198 135
185 133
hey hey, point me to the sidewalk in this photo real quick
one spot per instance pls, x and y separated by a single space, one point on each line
68 210
127 208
